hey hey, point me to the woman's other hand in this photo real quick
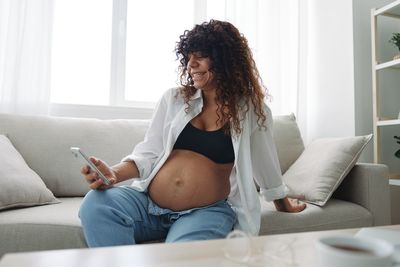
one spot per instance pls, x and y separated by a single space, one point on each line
289 205
92 177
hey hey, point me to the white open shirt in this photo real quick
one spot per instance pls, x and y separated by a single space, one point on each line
255 156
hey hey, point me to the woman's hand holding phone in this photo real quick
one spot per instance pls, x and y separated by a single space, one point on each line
93 178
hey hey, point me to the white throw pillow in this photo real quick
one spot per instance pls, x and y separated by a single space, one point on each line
319 170
20 186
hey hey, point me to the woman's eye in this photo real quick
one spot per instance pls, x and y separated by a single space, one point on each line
198 55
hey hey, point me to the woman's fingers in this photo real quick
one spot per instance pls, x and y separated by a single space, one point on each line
96 184
85 169
297 205
92 177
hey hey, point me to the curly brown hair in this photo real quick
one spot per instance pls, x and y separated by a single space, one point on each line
233 66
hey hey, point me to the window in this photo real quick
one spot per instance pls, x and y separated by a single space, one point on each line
121 53
80 67
151 65
116 52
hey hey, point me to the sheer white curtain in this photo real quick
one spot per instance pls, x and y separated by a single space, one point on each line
25 40
272 29
278 60
326 105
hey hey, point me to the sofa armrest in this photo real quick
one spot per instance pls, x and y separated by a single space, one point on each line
367 185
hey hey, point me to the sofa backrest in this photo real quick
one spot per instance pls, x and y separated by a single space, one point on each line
288 141
44 143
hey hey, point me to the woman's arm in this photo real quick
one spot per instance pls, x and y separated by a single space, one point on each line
266 168
146 153
125 170
264 159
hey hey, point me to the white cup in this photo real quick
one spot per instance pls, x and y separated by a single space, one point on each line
348 251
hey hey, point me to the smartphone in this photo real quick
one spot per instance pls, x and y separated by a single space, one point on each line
77 153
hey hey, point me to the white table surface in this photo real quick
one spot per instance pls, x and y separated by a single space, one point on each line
268 251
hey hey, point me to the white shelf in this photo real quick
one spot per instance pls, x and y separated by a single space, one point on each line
394 179
390 64
394 182
388 122
392 9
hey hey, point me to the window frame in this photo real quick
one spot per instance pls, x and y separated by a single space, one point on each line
118 52
118 106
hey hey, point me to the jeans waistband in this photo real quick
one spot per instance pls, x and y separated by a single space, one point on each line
154 209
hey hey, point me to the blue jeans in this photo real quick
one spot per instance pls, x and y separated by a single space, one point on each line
124 216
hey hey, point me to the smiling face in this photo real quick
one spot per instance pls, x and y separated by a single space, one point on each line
198 68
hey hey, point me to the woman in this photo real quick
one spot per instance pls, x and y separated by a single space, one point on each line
195 168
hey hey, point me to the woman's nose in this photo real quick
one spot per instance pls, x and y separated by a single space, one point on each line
191 63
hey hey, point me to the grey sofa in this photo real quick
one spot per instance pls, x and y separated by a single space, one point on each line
361 200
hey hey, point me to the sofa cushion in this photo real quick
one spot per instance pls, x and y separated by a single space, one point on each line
322 166
42 227
20 186
44 142
335 214
58 226
288 141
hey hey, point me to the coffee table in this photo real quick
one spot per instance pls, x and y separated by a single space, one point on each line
272 250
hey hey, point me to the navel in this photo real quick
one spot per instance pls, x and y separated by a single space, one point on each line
178 182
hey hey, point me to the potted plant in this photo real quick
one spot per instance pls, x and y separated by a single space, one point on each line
396 41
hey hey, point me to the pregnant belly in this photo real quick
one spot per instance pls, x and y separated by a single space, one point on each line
188 180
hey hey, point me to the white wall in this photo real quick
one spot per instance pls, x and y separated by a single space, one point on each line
338 88
100 112
329 105
363 69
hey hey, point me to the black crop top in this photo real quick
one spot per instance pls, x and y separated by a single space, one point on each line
215 145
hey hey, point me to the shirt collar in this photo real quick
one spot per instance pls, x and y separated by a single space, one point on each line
196 95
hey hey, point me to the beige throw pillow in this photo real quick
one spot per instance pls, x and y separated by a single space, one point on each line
322 166
20 186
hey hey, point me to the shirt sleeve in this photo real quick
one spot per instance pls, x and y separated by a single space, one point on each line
146 153
265 164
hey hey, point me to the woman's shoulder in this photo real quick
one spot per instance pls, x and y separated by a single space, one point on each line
170 93
253 115
264 107
173 96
